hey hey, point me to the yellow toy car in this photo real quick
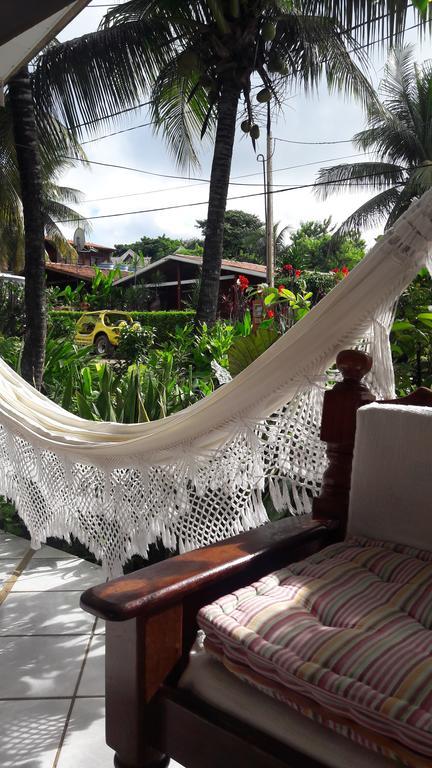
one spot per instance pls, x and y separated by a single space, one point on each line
102 329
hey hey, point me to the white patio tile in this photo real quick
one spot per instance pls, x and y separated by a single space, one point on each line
46 552
40 666
12 546
85 737
30 732
93 680
7 567
44 613
62 574
100 627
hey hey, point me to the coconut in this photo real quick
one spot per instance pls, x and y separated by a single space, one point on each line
275 63
263 96
255 131
268 31
245 126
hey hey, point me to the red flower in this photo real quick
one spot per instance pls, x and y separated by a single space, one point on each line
270 314
345 271
335 270
242 282
281 288
288 267
298 272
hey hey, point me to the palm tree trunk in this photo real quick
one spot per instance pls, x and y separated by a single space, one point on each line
29 164
219 183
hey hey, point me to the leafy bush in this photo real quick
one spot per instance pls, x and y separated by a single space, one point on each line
134 343
411 337
11 309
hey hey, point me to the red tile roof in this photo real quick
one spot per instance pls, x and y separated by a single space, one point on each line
72 270
95 245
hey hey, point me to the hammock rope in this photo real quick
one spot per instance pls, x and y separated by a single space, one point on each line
198 476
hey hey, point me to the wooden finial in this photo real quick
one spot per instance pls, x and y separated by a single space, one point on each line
338 426
353 364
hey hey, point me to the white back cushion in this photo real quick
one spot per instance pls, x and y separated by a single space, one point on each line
391 486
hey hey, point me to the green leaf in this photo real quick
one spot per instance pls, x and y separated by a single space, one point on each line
245 349
84 409
402 325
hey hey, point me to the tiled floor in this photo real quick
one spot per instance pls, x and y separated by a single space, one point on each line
51 662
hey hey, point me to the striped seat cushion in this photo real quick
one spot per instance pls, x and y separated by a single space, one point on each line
347 630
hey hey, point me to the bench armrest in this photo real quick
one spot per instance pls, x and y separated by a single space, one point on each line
152 589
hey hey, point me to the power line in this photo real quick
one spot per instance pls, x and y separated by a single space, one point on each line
115 133
243 176
292 141
237 197
194 178
112 114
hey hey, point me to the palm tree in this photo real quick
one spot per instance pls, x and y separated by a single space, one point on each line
196 62
31 147
399 135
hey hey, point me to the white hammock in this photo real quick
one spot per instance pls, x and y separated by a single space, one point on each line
198 475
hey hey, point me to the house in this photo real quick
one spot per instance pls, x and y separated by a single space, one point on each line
174 278
68 274
91 254
129 260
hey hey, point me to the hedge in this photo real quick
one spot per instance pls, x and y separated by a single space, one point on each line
62 321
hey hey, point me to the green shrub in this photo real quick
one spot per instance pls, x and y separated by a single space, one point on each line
164 323
11 308
134 343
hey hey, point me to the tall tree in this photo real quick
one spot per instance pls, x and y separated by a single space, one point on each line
197 61
313 246
399 135
29 164
31 147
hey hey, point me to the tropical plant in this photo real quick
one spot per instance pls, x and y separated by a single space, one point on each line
313 246
411 337
399 136
195 62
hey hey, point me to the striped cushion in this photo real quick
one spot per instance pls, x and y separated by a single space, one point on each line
349 629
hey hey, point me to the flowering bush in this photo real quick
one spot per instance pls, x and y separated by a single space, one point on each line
242 282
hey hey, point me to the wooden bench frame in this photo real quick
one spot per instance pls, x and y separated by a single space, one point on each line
151 615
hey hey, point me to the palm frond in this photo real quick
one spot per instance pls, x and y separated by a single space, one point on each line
358 175
87 79
371 20
179 108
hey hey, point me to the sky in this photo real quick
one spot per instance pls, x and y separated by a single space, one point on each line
319 117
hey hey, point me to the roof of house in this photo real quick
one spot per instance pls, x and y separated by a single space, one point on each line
96 246
240 267
71 270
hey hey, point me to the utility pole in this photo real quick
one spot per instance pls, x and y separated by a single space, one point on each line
269 200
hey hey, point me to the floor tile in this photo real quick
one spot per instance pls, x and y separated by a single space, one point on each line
93 679
40 666
12 546
85 737
100 627
46 552
7 567
44 613
30 732
67 575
